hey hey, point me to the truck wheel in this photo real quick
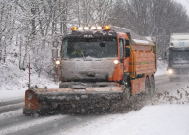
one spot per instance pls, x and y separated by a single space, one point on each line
127 93
127 90
147 84
152 84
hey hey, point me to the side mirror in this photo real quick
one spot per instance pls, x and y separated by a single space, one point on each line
55 44
55 53
127 42
127 52
102 44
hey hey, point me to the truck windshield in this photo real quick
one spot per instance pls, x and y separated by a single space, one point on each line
96 48
179 55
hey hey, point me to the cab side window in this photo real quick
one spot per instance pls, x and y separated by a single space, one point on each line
121 48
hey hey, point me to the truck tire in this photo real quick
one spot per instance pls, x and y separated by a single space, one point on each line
127 91
147 84
152 84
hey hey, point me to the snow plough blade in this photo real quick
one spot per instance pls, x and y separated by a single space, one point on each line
42 99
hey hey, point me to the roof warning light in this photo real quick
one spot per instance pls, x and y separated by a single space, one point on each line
86 28
99 28
74 28
106 27
91 28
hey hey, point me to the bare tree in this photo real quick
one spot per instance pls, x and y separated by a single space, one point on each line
157 18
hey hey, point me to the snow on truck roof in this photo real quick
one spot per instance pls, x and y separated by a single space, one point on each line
134 37
141 41
179 40
180 36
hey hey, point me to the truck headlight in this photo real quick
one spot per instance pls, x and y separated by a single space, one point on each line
57 62
116 62
170 71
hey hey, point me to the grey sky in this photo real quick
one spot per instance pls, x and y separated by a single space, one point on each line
185 3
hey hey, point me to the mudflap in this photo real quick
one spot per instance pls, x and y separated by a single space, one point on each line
44 101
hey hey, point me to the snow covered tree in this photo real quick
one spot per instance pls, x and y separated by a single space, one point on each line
158 18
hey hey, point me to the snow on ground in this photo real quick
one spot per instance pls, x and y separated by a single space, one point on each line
151 120
160 72
162 67
13 81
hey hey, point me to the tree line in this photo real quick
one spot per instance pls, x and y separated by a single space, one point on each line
29 27
157 18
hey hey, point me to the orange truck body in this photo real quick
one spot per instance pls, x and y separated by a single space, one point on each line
141 61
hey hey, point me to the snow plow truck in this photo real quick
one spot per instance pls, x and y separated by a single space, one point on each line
96 64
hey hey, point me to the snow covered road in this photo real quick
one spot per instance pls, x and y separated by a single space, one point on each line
166 113
11 107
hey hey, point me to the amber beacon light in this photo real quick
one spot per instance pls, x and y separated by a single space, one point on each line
106 27
74 28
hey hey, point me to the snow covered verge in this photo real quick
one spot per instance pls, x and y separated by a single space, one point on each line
14 82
